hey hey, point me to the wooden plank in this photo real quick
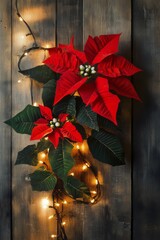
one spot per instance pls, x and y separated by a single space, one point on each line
111 217
70 23
30 221
5 113
146 138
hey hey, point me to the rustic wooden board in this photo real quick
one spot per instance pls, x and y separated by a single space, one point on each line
111 217
29 220
146 124
5 113
70 23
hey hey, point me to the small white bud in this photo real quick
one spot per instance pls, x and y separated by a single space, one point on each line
81 67
87 70
54 120
52 126
85 74
57 124
89 66
51 122
92 68
93 72
81 72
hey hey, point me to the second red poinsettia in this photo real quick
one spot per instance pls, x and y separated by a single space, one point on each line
95 73
54 128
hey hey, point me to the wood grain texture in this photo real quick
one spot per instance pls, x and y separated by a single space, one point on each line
70 23
111 217
146 124
29 220
5 113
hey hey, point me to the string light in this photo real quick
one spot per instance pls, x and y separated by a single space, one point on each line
40 162
64 202
46 138
94 192
92 200
96 181
77 146
43 155
63 223
21 19
50 217
45 202
72 174
19 81
57 204
84 167
35 104
53 236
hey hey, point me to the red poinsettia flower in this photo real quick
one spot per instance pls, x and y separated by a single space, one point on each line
54 128
94 73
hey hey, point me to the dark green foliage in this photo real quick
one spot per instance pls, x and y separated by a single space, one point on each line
28 156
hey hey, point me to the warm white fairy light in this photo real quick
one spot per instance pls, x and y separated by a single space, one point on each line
43 155
63 223
87 164
45 203
96 181
50 217
19 81
53 236
35 104
57 204
46 138
72 173
40 162
64 202
84 167
21 19
94 192
92 200
26 53
77 146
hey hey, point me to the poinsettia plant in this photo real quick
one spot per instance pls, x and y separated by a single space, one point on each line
81 96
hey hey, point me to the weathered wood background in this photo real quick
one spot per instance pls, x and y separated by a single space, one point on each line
130 205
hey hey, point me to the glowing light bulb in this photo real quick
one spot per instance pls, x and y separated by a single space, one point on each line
35 104
63 223
43 155
19 81
96 181
94 192
46 138
72 173
84 167
87 164
77 146
50 217
57 204
92 200
41 162
26 53
64 202
53 236
21 19
45 202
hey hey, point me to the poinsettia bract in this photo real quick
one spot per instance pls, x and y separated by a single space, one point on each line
54 128
94 73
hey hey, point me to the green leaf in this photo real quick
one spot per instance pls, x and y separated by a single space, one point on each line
60 159
106 148
49 93
43 145
23 122
40 73
42 180
106 124
28 156
66 105
76 188
85 116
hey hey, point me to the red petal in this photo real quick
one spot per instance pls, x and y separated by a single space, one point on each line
69 131
54 50
86 91
67 84
41 121
98 48
106 103
46 112
54 137
62 117
60 62
123 86
91 49
70 48
40 131
116 66
110 46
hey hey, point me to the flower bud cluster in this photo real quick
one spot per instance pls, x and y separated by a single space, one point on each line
55 123
87 70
